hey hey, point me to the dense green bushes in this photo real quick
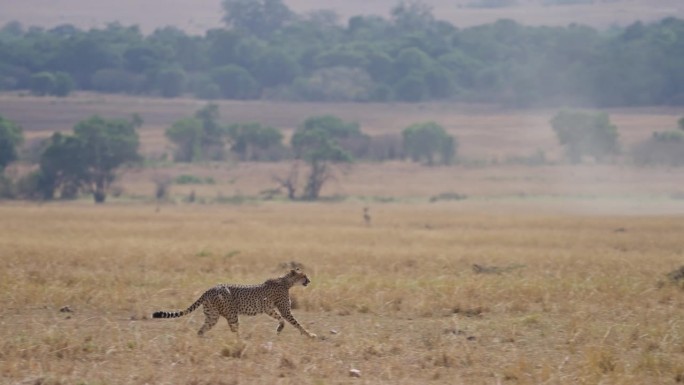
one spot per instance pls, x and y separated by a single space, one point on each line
266 51
428 141
662 148
586 134
11 137
67 165
47 83
88 159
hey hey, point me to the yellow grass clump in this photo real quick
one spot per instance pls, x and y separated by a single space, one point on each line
564 298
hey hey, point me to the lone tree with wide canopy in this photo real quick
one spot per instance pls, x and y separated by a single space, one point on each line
88 159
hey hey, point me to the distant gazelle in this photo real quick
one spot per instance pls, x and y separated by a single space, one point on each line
366 216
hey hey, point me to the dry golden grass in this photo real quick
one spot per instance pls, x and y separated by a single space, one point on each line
586 247
580 305
585 188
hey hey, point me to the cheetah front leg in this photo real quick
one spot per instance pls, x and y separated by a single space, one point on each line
281 322
284 309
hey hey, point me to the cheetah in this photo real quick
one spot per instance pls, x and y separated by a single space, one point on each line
228 301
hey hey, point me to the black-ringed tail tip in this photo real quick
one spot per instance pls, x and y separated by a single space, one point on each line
166 314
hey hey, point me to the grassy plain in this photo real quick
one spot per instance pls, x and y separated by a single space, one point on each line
397 300
582 251
587 246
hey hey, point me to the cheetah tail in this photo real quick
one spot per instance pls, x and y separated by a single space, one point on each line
175 314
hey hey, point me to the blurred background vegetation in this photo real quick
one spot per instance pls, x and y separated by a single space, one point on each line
267 51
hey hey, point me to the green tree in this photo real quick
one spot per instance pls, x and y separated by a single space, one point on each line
412 60
275 67
213 132
203 87
143 57
42 83
340 56
335 84
63 85
427 141
412 15
411 88
439 82
223 46
200 137
317 143
182 50
61 168
89 158
13 28
257 17
235 82
106 145
380 66
585 134
47 83
186 135
85 53
116 80
171 82
246 137
11 136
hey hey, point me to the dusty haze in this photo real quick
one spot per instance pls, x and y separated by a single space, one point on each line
489 137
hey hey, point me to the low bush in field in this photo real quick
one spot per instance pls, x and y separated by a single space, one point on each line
192 179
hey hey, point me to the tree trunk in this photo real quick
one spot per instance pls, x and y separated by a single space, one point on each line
317 177
99 194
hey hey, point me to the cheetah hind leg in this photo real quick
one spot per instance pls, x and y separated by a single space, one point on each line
234 326
281 322
233 322
211 318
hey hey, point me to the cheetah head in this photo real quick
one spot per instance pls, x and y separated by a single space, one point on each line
298 276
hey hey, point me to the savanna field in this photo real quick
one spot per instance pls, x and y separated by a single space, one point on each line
510 266
565 298
571 288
